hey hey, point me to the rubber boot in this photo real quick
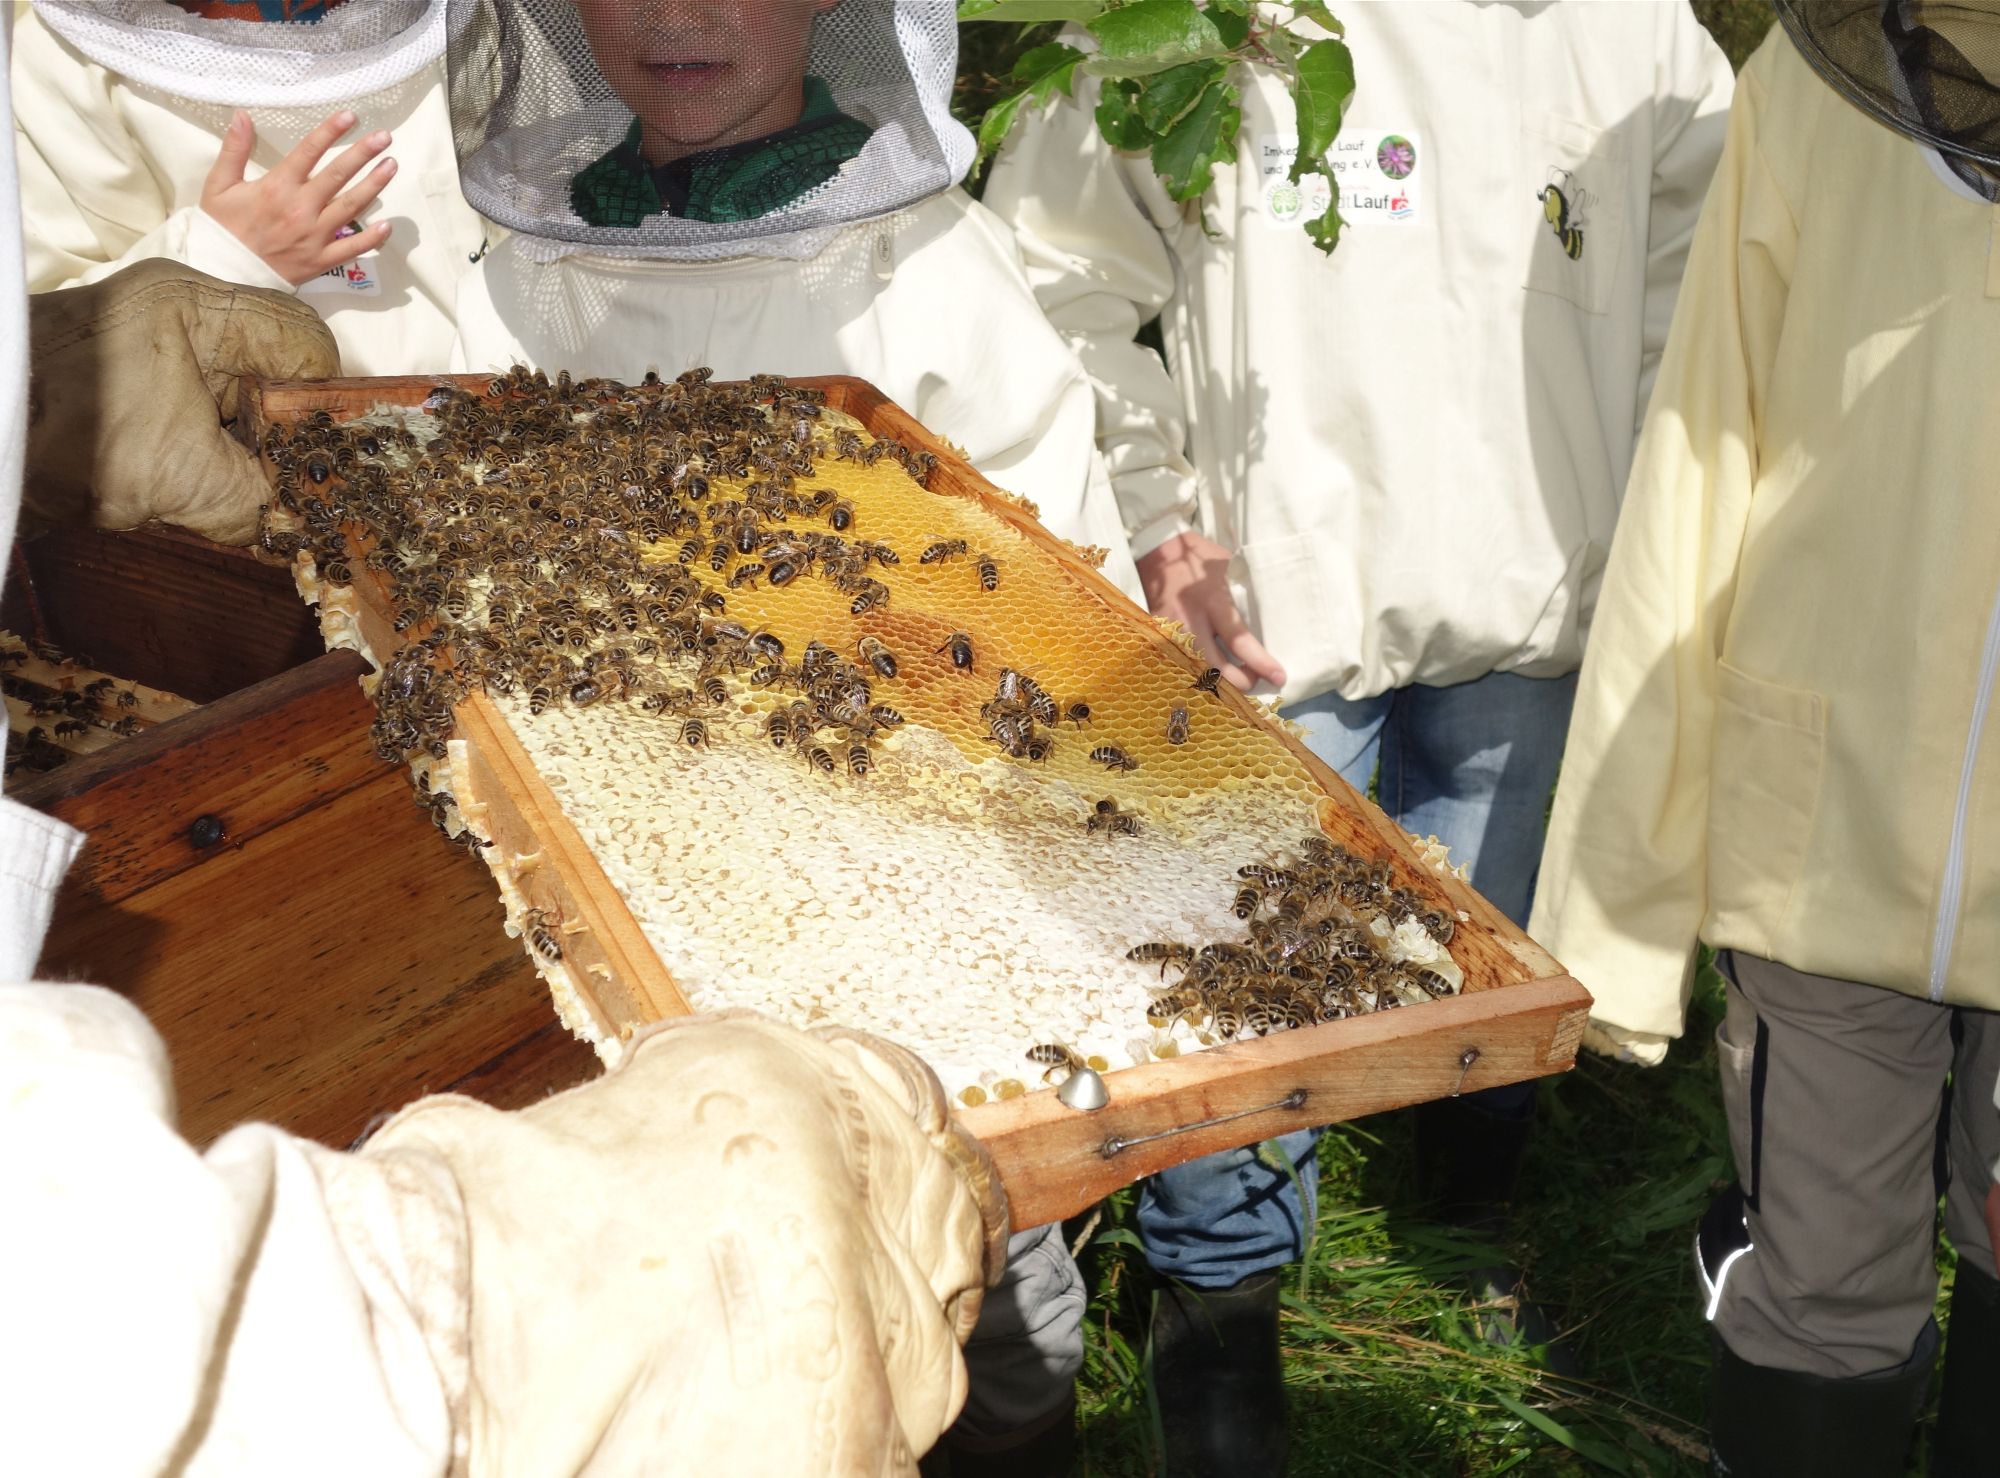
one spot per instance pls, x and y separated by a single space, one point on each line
1469 1154
1766 1423
1046 1451
1967 1442
1218 1379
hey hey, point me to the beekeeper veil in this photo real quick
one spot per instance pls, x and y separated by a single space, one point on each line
330 56
1931 71
700 129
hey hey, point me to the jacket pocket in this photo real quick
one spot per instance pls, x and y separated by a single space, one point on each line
1765 769
1572 201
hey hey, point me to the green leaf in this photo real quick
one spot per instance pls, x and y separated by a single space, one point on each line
1310 10
1324 229
1165 99
1185 157
1231 19
1149 36
1047 70
1118 122
1321 88
1029 12
999 122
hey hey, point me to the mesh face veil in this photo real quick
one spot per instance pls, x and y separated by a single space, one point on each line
352 51
1931 71
701 129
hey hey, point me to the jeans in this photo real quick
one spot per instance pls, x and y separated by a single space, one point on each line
1472 764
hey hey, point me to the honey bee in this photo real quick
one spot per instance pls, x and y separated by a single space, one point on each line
877 656
1114 758
1054 1056
819 759
1162 952
539 698
536 928
886 716
1039 747
745 574
72 726
1438 924
1108 818
1177 724
873 593
989 573
715 690
859 760
840 515
1208 681
882 554
778 727
1248 900
125 728
694 733
942 550
960 646
1078 714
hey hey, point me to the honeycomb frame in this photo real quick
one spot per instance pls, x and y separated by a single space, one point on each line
1518 1015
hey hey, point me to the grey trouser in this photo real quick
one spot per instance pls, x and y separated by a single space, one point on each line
1026 1349
1836 1097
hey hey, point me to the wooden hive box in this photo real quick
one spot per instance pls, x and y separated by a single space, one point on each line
230 851
1518 1016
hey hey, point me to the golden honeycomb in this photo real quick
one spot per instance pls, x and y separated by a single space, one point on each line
962 899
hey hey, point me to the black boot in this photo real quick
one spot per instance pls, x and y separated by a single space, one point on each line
1218 1379
1045 1451
1766 1423
1967 1443
1469 1154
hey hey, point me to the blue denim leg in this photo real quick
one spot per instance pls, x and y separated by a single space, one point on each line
1215 1221
1473 765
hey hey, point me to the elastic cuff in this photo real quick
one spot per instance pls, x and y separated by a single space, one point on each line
1158 532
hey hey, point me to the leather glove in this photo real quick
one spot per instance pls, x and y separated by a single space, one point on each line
129 382
746 1250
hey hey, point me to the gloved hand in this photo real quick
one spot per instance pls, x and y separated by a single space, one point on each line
746 1250
129 382
1647 1049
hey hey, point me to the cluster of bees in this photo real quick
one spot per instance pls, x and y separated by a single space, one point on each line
522 548
1308 954
65 712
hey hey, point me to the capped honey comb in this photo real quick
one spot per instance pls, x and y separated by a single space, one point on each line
961 855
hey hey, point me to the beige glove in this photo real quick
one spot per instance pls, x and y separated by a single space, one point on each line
129 382
1647 1049
747 1250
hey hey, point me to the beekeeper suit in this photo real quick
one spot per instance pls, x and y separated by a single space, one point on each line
120 107
1384 481
1783 743
886 271
746 1250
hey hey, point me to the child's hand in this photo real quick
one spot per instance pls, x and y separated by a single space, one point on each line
291 217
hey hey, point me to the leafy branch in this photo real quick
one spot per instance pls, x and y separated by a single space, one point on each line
1166 68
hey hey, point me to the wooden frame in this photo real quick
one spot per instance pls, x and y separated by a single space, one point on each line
1519 1017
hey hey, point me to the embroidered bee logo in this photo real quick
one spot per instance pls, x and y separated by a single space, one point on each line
1562 208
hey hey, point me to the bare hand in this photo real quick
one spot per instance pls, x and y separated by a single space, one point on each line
1186 580
291 216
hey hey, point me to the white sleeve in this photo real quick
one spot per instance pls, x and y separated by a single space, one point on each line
90 202
1691 118
266 1307
1090 229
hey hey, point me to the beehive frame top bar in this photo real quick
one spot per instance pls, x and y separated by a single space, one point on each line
1160 1114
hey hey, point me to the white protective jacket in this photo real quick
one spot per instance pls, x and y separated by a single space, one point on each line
1416 445
929 305
112 171
1784 735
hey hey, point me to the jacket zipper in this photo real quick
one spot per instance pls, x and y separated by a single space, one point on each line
1950 894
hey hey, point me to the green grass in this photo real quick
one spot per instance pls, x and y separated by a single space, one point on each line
1386 1370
